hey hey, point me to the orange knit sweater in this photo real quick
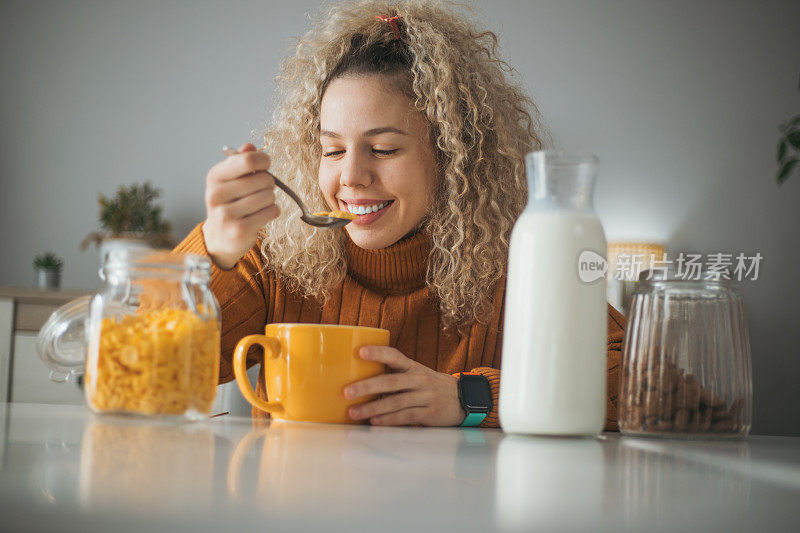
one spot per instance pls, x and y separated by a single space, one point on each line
383 288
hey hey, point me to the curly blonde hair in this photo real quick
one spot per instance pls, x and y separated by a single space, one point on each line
482 124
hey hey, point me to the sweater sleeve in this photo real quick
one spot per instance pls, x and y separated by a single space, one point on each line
242 295
615 334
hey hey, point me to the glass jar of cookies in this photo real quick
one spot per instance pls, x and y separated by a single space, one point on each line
686 369
147 343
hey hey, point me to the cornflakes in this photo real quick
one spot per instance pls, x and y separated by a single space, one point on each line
337 214
163 362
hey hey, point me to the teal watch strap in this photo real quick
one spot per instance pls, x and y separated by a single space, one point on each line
472 420
475 396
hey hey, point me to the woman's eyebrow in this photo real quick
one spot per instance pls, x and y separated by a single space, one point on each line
378 131
368 133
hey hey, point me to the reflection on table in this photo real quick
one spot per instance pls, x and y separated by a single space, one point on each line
679 487
131 462
67 469
293 466
544 478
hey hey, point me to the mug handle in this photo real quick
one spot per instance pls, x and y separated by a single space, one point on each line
237 459
272 349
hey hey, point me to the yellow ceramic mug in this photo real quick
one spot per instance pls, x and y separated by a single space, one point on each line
307 367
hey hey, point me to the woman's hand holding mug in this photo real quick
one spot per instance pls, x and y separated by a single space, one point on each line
240 200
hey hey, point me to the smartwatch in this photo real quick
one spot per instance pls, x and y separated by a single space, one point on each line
475 396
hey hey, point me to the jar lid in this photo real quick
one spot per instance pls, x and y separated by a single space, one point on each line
155 258
61 343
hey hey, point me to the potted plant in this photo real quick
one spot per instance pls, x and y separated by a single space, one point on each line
48 270
131 219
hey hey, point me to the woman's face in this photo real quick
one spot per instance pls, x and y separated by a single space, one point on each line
377 160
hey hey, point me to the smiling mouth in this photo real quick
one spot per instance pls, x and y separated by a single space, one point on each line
367 209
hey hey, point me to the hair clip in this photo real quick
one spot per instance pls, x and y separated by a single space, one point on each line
393 23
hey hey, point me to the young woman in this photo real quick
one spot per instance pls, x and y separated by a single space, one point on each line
406 116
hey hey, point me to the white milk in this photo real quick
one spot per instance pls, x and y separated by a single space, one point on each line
553 373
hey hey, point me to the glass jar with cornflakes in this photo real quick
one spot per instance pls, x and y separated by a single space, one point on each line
147 343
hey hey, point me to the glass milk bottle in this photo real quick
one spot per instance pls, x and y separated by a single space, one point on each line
553 374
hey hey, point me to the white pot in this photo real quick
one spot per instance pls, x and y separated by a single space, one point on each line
118 243
48 278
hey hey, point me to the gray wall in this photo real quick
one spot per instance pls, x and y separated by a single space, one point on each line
680 100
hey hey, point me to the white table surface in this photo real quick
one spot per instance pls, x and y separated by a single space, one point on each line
64 469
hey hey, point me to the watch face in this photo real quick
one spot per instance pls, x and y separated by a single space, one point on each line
476 393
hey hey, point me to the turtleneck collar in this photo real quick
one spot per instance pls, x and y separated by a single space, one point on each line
398 268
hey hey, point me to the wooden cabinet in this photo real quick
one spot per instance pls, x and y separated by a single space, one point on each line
23 376
30 381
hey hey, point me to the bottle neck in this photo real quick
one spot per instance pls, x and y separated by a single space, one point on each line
560 181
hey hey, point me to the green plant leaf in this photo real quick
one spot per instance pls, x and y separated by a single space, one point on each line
131 210
786 169
48 260
794 138
781 151
789 124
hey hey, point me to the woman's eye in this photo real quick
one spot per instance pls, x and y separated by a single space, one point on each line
334 153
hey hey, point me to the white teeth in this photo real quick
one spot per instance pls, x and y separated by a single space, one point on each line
365 209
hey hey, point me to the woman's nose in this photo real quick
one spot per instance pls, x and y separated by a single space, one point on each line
355 171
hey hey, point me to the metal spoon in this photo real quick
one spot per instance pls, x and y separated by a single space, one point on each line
308 217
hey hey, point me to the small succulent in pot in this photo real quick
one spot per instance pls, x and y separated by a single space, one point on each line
48 270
